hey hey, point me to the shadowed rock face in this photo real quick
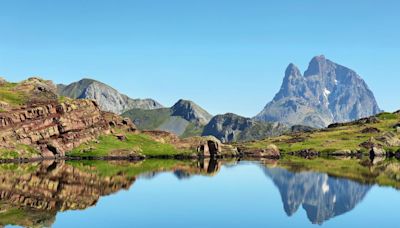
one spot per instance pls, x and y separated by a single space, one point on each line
230 127
108 98
327 93
191 112
322 197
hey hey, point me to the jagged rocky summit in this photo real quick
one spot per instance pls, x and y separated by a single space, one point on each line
326 93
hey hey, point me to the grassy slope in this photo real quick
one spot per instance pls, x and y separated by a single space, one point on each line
192 130
154 119
334 139
135 142
10 95
148 119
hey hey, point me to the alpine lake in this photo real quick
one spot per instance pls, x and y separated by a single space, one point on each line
290 192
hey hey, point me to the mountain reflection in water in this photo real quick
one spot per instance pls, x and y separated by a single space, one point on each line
323 197
32 194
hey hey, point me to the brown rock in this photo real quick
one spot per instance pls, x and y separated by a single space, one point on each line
370 130
389 139
209 147
121 137
377 151
55 128
370 143
272 151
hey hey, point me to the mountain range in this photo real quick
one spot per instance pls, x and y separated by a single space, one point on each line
326 93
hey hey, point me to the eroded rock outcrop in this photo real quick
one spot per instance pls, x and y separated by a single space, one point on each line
52 128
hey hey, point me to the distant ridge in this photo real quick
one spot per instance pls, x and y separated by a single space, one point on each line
185 118
108 98
231 128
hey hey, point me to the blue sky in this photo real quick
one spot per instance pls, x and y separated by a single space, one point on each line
226 55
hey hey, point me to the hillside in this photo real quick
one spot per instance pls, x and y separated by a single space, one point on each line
378 135
231 128
184 118
108 98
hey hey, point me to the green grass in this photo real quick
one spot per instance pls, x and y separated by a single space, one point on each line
148 119
192 130
21 151
387 116
334 139
137 142
10 95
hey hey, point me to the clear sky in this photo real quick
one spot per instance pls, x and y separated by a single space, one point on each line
226 55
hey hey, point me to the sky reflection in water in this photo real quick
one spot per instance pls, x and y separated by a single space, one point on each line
245 195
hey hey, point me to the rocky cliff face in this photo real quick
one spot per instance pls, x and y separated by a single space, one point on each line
108 98
191 112
327 93
48 126
230 127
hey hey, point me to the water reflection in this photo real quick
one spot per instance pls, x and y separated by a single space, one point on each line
32 194
322 197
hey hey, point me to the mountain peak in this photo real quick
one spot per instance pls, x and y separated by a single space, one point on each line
108 98
316 66
191 112
327 93
292 70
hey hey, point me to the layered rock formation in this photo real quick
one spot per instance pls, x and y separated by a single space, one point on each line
230 127
108 98
327 93
55 128
47 127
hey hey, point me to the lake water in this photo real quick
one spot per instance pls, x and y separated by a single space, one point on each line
167 193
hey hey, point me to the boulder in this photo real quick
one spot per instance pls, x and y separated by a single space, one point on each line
377 151
389 139
371 142
272 151
301 129
210 147
120 137
369 130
